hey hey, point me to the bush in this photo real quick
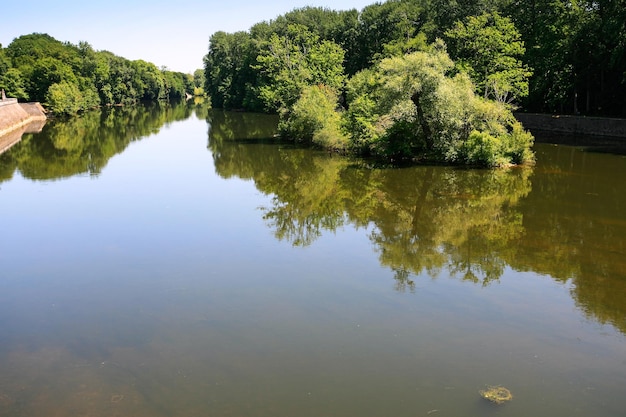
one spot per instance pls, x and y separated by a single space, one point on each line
68 98
482 149
409 107
314 117
519 145
64 98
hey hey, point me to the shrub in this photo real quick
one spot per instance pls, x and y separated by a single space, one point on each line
64 98
314 117
519 145
482 149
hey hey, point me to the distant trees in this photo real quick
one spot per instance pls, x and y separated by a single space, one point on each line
70 78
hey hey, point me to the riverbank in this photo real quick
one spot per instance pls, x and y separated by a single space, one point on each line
17 119
574 125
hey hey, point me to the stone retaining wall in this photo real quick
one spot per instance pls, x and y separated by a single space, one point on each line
575 125
14 115
17 119
8 101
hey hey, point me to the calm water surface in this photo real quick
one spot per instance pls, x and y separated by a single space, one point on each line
180 262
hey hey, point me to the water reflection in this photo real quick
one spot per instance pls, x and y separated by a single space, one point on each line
157 289
565 218
84 144
422 218
575 225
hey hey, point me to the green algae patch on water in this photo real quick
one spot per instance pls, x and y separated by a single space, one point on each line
496 394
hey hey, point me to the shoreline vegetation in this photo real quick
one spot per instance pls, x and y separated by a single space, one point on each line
68 79
401 80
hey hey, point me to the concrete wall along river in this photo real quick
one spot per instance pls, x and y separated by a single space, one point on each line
17 119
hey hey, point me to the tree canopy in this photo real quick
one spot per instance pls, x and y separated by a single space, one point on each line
543 56
69 78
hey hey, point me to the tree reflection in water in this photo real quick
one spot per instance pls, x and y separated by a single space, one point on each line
470 224
423 218
84 144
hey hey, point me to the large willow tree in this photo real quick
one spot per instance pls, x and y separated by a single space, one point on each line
410 107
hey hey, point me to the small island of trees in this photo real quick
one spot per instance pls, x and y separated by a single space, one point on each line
410 102
433 81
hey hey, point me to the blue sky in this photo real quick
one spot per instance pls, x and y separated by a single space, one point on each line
174 34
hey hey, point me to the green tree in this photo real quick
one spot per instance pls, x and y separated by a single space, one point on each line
12 82
299 59
199 78
45 72
341 27
410 108
314 118
444 14
176 85
598 59
548 28
362 119
390 22
150 81
489 48
64 97
229 76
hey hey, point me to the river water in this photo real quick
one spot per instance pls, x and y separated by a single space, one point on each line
179 261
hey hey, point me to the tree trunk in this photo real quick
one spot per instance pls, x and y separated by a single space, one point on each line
428 137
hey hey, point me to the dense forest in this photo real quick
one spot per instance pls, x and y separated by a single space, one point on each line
69 78
432 80
576 50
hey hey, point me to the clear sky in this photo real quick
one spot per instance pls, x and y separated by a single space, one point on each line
174 34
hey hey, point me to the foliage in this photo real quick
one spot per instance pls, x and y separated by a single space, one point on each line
72 78
408 107
578 52
65 97
388 23
314 118
489 48
229 77
443 14
576 49
361 118
291 62
12 82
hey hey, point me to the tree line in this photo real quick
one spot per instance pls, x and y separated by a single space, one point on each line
69 78
576 49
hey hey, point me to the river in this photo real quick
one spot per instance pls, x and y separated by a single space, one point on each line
180 261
